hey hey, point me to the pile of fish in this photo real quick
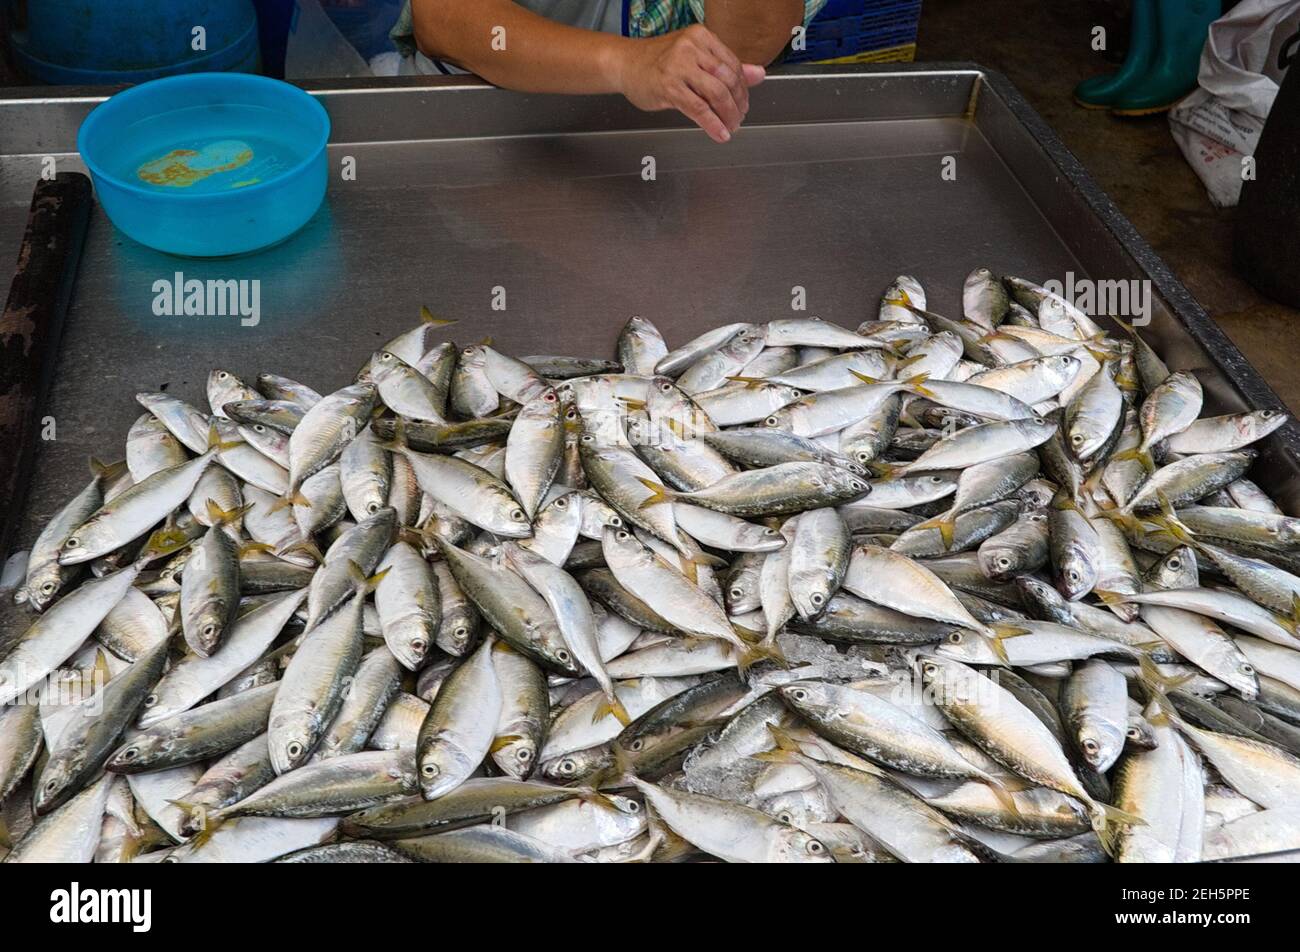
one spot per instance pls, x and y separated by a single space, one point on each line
936 589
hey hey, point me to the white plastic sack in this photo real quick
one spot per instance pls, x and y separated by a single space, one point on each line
1242 66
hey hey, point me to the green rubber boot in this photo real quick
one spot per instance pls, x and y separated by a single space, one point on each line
1100 92
1181 30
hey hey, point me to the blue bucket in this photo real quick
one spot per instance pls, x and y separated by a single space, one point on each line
208 164
99 42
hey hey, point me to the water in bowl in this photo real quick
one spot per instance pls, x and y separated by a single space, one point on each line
210 149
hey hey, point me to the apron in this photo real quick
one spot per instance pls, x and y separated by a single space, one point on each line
605 16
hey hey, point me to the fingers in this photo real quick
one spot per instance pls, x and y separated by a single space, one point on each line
698 111
735 84
754 74
719 98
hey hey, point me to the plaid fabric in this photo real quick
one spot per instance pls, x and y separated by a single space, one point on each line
644 18
656 17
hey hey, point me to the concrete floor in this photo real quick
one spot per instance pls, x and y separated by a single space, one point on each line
1135 160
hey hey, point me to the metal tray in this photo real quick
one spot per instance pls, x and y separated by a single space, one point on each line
462 190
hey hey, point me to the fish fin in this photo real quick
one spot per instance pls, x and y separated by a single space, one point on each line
904 362
6 839
502 741
427 316
612 705
164 541
248 548
1295 609
1169 521
631 403
618 774
749 381
660 493
294 498
1127 328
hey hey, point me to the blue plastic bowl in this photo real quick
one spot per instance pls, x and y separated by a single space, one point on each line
208 164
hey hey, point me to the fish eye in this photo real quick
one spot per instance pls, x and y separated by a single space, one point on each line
772 421
129 754
636 745
47 588
294 750
815 848
632 807
1247 668
549 396
222 375
571 414
523 754
1073 575
1175 564
784 816
769 531
1004 563
518 515
588 438
936 479
665 388
622 536
151 700
1268 414
51 785
372 507
209 631
562 656
615 521
561 503
461 632
930 668
419 645
737 593
818 598
1090 746
1133 733
955 638
857 484
568 766
429 770
72 543
1076 439
799 694
258 428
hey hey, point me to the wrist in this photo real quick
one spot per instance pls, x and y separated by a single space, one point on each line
612 62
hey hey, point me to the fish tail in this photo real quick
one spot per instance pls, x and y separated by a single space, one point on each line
215 442
917 386
1109 821
1143 456
1004 797
786 751
427 316
864 378
766 650
222 517
106 472
306 547
1159 686
612 705
293 497
946 523
659 493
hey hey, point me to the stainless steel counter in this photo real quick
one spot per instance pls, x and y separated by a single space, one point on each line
461 190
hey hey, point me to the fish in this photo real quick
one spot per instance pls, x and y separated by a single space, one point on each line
984 588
